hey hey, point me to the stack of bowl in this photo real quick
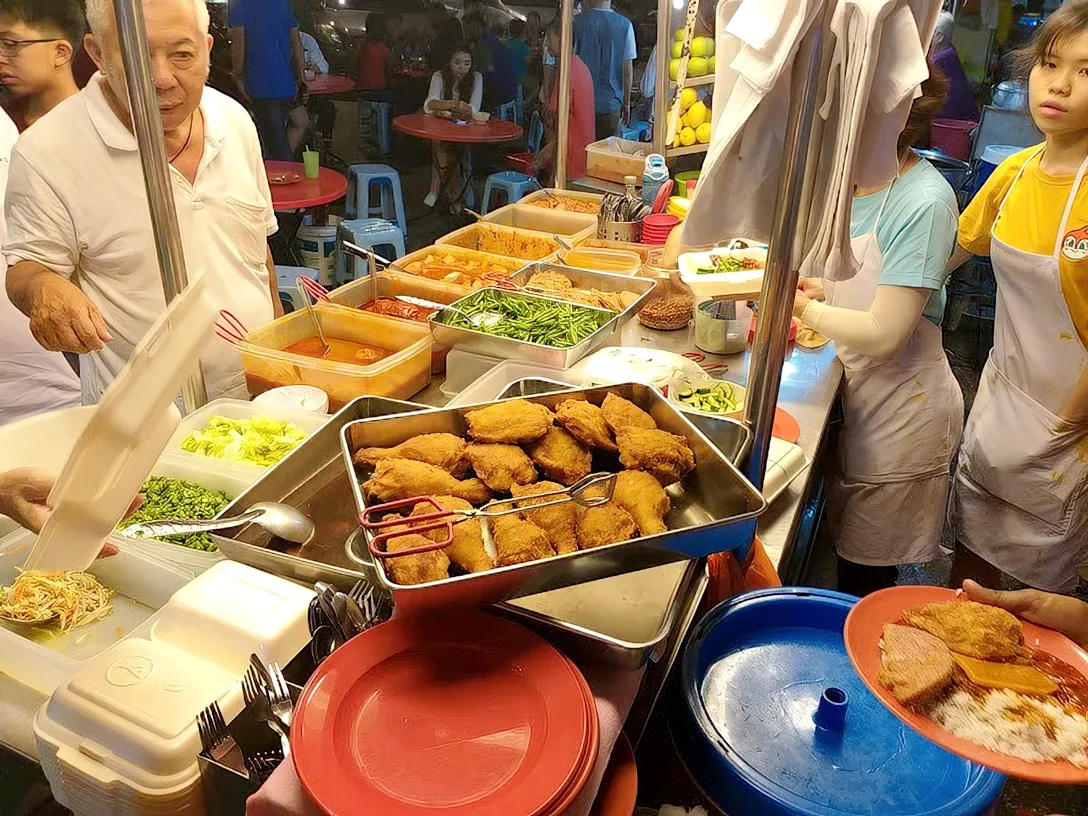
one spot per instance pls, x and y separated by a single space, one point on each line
657 226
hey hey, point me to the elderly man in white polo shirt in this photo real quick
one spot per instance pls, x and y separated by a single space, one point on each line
83 265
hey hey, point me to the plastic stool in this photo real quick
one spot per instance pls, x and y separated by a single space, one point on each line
285 280
360 179
380 115
515 185
508 111
382 236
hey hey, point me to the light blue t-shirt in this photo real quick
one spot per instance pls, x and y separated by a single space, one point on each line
916 233
605 40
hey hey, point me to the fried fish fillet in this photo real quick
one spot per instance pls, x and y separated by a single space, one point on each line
586 424
604 524
442 450
518 541
561 456
665 456
514 422
621 413
467 549
915 666
500 466
395 479
556 521
971 628
643 497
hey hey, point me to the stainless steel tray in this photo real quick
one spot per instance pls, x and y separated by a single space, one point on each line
714 509
504 348
311 478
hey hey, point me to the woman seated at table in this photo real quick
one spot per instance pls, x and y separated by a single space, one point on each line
456 90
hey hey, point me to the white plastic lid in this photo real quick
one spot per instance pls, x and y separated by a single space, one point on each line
995 154
296 398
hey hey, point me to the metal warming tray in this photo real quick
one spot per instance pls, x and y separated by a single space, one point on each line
311 478
489 345
714 509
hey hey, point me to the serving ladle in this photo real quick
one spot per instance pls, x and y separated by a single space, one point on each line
483 320
281 520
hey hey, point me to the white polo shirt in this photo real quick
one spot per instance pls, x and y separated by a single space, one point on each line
76 204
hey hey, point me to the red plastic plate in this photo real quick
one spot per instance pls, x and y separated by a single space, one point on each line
862 633
588 760
471 716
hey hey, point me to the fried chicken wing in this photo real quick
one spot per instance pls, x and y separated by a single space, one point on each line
395 479
518 541
513 423
500 466
665 456
644 499
561 456
442 450
557 521
621 413
604 524
467 549
971 628
420 568
585 423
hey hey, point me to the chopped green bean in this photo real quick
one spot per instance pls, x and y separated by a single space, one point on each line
548 323
168 498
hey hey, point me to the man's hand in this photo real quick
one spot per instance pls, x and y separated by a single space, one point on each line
812 287
23 495
625 112
800 301
1058 612
62 318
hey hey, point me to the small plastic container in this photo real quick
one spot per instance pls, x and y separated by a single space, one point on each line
614 261
296 398
486 263
721 326
405 372
522 244
613 158
525 215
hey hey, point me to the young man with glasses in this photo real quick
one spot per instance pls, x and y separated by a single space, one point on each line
38 40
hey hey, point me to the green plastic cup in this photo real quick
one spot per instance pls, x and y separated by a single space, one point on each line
311 159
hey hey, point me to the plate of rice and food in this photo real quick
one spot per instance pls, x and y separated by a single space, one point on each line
976 680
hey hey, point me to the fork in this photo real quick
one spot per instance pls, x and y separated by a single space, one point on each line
255 695
280 695
217 741
377 607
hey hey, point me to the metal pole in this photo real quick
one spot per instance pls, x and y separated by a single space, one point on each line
566 64
661 86
780 278
147 125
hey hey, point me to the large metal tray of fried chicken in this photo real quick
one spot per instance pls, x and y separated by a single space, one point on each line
714 509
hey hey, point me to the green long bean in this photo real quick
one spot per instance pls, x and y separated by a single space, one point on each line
548 323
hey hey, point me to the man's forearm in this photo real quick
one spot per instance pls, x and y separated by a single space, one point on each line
628 81
22 281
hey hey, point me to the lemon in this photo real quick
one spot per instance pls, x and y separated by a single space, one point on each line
676 139
711 64
696 114
678 35
677 49
697 66
702 133
687 97
687 136
674 69
702 47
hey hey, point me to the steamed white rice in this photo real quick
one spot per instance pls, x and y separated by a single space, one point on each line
996 722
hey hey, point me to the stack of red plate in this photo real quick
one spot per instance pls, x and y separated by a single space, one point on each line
470 716
657 226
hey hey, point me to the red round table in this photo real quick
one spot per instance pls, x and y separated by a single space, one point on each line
325 84
326 188
426 126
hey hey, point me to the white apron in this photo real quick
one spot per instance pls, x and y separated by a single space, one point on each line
903 416
1021 489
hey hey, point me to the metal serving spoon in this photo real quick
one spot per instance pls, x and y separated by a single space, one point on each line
483 320
281 520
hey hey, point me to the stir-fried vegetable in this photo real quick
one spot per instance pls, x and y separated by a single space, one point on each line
257 441
545 322
719 398
168 498
729 263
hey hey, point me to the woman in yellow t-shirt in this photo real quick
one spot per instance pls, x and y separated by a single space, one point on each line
1020 497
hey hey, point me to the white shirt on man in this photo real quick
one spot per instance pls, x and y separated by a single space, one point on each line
76 204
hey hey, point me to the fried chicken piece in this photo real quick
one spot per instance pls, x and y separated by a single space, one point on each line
395 479
971 628
604 524
915 666
420 568
513 423
467 549
557 521
518 541
621 413
665 456
644 499
500 466
442 450
561 456
553 400
586 424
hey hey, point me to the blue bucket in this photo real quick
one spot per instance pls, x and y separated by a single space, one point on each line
772 720
986 163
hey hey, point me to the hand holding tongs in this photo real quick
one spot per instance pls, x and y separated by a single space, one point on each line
443 519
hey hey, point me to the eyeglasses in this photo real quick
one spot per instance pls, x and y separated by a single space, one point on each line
12 48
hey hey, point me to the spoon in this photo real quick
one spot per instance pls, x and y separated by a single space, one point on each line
563 242
483 320
281 520
27 626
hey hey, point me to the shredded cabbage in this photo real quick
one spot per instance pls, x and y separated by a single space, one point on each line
258 441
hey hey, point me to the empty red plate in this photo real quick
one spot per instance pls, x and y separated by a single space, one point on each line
472 716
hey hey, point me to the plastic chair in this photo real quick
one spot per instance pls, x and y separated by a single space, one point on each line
384 237
508 110
285 281
376 116
361 177
536 133
515 185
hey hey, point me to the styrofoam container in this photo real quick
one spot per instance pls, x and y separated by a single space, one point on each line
44 659
731 285
233 610
463 368
233 409
524 215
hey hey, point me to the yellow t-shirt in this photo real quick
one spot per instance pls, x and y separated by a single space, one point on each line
1030 222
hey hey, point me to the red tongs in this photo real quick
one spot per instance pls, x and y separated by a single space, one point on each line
442 519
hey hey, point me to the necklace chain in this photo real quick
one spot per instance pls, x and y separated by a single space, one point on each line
189 138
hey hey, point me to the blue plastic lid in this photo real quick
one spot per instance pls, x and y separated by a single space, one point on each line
995 154
781 723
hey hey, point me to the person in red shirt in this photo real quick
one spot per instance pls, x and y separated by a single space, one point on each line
372 55
38 40
583 123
